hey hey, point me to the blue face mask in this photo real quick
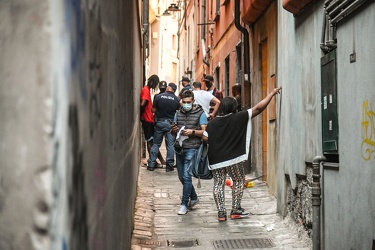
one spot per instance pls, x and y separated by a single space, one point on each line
187 106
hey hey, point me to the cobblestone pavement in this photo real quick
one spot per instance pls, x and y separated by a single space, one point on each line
157 225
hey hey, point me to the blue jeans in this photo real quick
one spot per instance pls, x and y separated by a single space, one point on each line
162 128
184 168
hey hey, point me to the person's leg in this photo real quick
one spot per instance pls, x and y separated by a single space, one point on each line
161 159
180 164
219 176
190 155
237 173
158 139
184 174
180 158
148 131
169 138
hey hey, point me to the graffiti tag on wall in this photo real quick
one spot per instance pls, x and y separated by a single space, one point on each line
368 131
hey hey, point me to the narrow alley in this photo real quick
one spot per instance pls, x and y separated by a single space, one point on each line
157 225
74 85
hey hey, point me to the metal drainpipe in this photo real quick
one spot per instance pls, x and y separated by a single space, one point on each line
179 28
316 200
204 33
246 40
145 27
323 45
349 9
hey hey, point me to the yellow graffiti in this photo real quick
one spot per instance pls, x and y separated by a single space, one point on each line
368 131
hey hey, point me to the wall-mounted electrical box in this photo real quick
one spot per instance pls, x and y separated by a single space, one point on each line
330 127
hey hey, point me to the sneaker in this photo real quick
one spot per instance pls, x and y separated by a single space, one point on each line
169 169
238 213
183 210
192 203
222 216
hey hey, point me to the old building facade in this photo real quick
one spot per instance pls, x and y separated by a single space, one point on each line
320 52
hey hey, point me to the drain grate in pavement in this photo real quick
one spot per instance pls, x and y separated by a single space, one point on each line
243 243
182 243
149 243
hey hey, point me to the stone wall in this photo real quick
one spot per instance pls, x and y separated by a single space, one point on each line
70 78
299 206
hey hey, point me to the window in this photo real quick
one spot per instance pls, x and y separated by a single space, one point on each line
239 63
174 42
227 69
217 76
330 128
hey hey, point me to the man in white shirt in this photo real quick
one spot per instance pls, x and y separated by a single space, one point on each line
204 98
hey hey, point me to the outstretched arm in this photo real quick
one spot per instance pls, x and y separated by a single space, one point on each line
257 109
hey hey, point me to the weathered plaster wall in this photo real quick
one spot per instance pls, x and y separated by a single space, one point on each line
349 193
298 61
71 73
25 124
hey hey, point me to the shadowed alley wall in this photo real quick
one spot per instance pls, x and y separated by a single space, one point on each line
70 73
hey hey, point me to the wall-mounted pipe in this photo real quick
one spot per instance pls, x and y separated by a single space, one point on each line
179 30
316 200
323 45
338 8
245 33
331 43
145 27
348 10
327 2
204 33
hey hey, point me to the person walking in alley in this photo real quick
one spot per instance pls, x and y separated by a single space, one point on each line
186 83
190 123
209 81
147 117
165 106
204 98
228 137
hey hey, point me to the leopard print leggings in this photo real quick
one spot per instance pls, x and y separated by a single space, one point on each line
237 173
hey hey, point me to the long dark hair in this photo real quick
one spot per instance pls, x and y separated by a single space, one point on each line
153 81
227 105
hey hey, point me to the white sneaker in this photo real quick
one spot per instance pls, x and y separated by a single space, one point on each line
183 210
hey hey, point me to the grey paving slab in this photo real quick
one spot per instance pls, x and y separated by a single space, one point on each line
156 221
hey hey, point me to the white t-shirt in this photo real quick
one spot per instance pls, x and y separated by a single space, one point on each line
203 98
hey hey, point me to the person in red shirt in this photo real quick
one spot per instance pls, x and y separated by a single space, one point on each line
147 117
